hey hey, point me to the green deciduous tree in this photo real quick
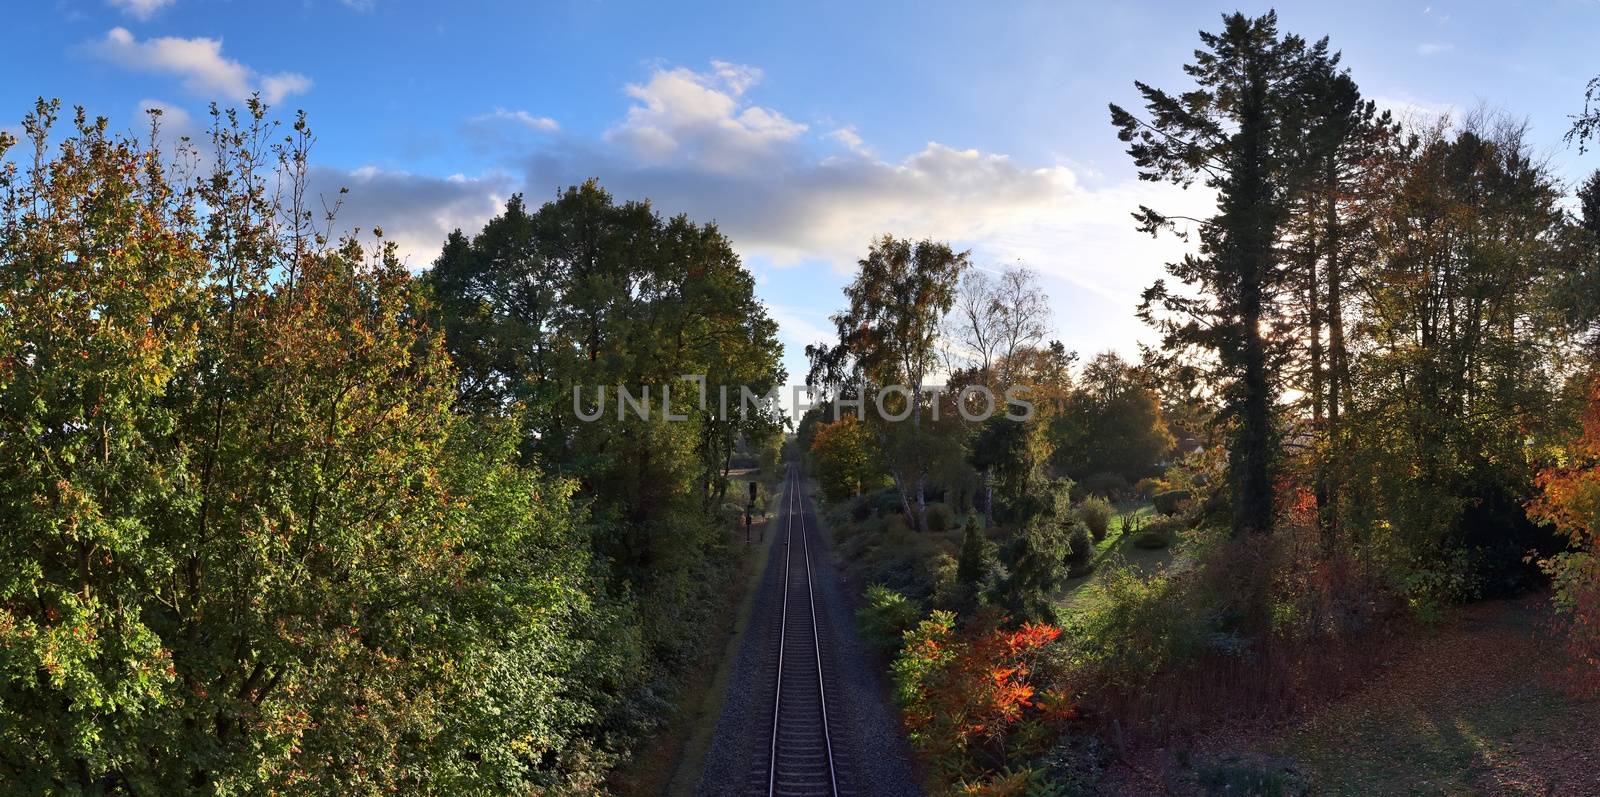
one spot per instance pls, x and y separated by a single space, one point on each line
1456 375
1112 423
553 311
584 294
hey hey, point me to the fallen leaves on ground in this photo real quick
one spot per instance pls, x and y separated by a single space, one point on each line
1480 705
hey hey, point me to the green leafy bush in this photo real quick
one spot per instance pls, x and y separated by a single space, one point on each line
1164 524
1171 501
885 501
940 518
886 616
1095 512
1158 532
1141 625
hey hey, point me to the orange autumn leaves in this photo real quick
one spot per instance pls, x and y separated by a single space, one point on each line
1571 490
973 698
1570 500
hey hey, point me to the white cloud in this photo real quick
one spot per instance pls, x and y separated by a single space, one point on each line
415 211
276 87
699 118
694 144
1427 49
851 140
737 77
504 131
1411 111
200 64
542 124
141 10
362 6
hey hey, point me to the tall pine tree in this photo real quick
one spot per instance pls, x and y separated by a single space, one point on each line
1237 130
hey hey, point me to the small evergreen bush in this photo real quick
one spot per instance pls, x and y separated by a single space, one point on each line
1080 553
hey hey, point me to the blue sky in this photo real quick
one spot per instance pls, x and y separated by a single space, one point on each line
803 129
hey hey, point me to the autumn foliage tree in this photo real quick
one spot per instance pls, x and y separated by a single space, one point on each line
843 455
249 548
1570 500
888 340
1111 425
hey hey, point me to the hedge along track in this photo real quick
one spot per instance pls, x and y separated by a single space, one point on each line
801 760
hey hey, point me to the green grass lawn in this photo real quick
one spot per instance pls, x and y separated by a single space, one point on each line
1116 550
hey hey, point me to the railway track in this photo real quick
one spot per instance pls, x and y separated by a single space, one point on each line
801 761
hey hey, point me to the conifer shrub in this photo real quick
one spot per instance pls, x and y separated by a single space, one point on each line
1080 551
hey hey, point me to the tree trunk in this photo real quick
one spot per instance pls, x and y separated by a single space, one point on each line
922 465
1336 368
905 498
1319 477
1252 217
988 497
899 482
922 501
